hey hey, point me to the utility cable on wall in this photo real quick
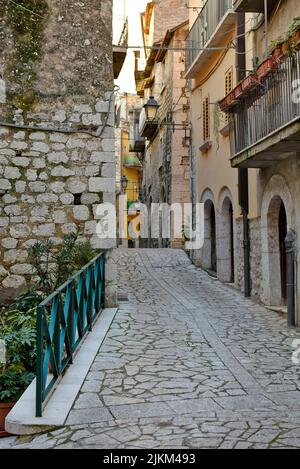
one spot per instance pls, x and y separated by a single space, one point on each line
26 9
97 133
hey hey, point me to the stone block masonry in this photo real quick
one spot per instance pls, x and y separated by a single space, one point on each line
50 183
57 163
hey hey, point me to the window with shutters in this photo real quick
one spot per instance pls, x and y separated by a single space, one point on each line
228 87
206 120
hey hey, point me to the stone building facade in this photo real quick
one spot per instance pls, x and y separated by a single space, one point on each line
166 162
211 69
272 150
57 159
260 141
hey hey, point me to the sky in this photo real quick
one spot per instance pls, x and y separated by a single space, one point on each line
132 9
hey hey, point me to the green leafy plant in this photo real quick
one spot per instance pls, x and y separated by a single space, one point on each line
294 26
18 370
20 347
277 42
40 255
22 312
82 254
53 266
13 383
255 63
63 259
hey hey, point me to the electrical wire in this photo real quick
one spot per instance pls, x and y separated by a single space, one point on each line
178 49
26 9
97 134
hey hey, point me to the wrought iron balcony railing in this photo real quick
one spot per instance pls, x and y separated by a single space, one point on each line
147 128
271 107
204 27
137 142
253 6
63 320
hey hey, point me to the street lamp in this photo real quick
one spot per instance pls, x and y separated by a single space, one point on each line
151 109
124 183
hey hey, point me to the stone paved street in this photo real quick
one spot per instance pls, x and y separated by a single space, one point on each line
187 363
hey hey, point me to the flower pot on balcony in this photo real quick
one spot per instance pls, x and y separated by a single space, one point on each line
249 83
4 411
266 68
238 91
295 40
228 102
278 54
286 49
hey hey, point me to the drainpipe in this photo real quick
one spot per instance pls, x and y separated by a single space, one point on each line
243 173
193 171
291 277
266 29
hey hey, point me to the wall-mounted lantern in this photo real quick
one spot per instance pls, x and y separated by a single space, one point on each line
151 109
149 118
124 183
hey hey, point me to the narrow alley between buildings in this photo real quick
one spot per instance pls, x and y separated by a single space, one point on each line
187 363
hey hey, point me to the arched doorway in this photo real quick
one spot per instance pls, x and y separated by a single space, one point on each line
209 250
226 259
277 217
213 239
149 243
163 220
282 229
277 231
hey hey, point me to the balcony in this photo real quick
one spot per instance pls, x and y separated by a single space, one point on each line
132 161
216 19
266 122
252 6
137 144
147 128
136 141
120 51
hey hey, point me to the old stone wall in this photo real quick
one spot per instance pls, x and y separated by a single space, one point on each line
255 257
51 184
57 159
167 15
166 165
57 55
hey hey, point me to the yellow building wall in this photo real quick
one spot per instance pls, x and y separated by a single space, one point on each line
214 167
280 19
132 174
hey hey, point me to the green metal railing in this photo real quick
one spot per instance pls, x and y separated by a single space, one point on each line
63 320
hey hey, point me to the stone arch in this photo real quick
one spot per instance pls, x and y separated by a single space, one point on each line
226 237
276 198
149 243
208 251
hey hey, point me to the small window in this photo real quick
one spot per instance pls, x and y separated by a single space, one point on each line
228 87
228 81
206 120
77 199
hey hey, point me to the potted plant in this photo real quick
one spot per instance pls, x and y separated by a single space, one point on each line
267 67
16 367
278 52
13 382
238 91
250 82
294 33
228 102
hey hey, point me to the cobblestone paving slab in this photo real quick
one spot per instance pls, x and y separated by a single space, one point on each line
187 363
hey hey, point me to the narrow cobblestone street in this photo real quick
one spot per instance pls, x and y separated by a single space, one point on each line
187 363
